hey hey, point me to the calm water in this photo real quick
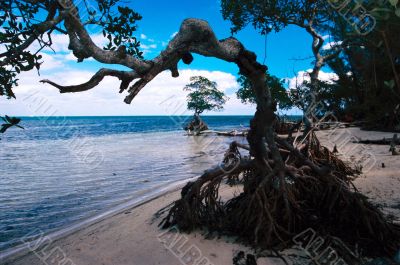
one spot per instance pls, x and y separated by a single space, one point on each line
61 170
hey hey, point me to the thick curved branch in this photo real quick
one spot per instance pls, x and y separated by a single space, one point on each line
82 44
125 77
318 40
194 36
36 32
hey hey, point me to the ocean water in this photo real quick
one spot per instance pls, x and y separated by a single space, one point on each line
59 170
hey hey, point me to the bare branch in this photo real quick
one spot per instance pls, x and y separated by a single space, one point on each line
125 77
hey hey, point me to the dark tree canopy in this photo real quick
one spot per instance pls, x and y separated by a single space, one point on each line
267 16
368 85
274 15
276 86
204 95
364 53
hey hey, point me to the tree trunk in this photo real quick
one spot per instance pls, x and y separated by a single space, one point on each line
196 125
286 188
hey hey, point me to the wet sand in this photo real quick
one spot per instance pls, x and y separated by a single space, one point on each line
133 237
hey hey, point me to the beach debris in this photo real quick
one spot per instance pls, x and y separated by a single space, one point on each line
383 165
335 149
242 259
233 133
385 141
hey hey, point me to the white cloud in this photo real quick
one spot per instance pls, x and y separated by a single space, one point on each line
163 96
143 37
60 43
148 47
302 76
331 44
174 34
155 99
51 62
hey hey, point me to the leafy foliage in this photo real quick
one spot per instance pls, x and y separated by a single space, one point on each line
368 66
278 91
28 27
119 28
369 70
9 122
204 95
273 15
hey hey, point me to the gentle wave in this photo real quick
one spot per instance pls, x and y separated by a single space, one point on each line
51 179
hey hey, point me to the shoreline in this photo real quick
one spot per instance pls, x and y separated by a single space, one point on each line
146 196
131 236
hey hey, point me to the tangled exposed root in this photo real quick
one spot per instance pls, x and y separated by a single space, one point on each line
313 190
196 125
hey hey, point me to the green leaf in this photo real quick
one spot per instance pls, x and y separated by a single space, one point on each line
397 12
15 121
390 84
4 128
394 2
8 119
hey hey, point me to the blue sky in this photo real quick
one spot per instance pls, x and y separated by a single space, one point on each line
159 23
161 19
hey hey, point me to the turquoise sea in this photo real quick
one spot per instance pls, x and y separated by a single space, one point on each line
61 170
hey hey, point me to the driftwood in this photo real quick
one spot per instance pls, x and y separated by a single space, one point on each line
233 133
288 128
392 142
385 141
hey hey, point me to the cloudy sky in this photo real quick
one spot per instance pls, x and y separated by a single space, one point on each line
164 95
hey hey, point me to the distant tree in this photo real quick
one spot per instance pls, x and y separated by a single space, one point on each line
204 95
278 92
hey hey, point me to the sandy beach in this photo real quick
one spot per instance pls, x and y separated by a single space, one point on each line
133 237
